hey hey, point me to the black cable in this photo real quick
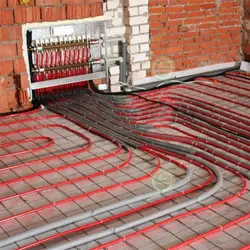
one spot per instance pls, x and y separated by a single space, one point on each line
178 80
193 117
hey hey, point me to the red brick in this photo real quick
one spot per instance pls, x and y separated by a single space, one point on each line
16 3
174 23
156 25
95 1
225 36
154 32
174 9
27 14
3 3
47 2
8 50
19 65
175 36
228 23
183 28
192 21
157 10
208 32
6 67
208 44
177 16
20 48
153 3
236 47
195 14
208 6
190 41
15 32
11 97
209 51
78 11
153 18
216 56
227 10
174 50
157 39
206 38
54 13
205 26
4 34
222 43
159 52
193 53
236 30
6 16
73 1
174 43
24 81
227 4
191 47
223 49
173 29
162 17
155 46
191 34
247 6
96 9
7 82
192 7
209 19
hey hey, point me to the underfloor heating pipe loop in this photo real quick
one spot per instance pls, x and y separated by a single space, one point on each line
145 219
135 138
167 198
84 216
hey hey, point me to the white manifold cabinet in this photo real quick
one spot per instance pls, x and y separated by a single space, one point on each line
63 54
68 54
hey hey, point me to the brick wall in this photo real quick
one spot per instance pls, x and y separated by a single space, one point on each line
246 35
12 16
162 35
193 33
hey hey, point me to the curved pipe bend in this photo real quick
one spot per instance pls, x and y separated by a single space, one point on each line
143 220
84 216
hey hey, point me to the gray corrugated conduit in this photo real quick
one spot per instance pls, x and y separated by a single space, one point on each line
146 219
95 212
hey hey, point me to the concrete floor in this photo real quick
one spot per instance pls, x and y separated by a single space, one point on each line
163 237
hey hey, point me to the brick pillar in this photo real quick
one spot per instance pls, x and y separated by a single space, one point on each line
137 37
116 28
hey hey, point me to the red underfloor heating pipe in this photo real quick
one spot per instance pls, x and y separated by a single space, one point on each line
221 117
